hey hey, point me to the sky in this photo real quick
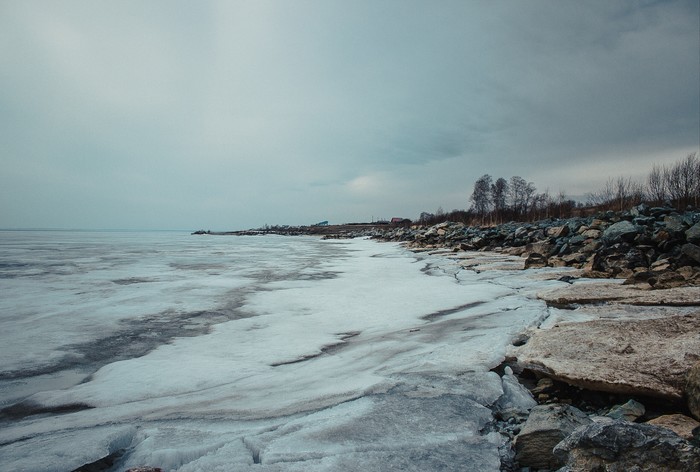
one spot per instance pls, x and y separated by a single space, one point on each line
229 115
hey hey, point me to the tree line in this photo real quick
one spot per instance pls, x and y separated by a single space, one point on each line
516 199
677 185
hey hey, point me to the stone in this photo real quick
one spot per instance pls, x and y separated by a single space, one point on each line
640 210
591 233
575 258
641 277
541 247
621 231
674 223
667 280
545 384
693 234
612 293
535 260
657 212
635 258
682 425
692 251
546 426
558 231
629 411
648 357
661 265
598 224
520 232
592 247
692 390
660 236
622 447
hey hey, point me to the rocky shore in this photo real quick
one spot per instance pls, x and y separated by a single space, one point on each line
610 381
656 247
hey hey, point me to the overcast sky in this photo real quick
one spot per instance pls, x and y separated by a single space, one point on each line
234 114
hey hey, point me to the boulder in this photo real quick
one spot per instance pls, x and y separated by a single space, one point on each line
535 260
591 233
622 446
692 389
667 280
674 223
621 231
647 357
693 234
692 251
558 231
546 426
682 425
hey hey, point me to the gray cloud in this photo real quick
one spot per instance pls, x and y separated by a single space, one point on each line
236 114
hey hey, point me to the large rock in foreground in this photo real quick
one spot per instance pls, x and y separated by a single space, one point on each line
693 390
639 357
546 426
623 447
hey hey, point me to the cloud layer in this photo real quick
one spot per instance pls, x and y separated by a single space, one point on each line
236 114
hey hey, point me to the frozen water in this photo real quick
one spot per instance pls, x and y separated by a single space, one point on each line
215 353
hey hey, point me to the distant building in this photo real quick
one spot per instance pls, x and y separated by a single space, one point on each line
398 221
322 223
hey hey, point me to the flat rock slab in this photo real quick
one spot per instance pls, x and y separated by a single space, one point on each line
633 357
605 291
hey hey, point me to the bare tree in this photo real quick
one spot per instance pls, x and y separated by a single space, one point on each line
520 194
656 185
481 196
688 176
499 198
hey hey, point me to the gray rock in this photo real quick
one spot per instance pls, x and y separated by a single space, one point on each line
621 231
629 411
520 232
623 447
692 251
674 223
546 426
693 234
692 390
640 210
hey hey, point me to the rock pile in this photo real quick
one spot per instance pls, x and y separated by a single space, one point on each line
654 246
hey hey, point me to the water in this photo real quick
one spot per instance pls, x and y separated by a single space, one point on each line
249 353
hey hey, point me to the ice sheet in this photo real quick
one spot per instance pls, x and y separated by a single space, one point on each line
352 355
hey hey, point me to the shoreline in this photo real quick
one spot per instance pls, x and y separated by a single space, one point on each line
624 270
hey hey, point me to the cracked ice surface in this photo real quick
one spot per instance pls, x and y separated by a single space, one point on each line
347 355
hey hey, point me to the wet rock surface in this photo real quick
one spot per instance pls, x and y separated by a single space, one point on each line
624 446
